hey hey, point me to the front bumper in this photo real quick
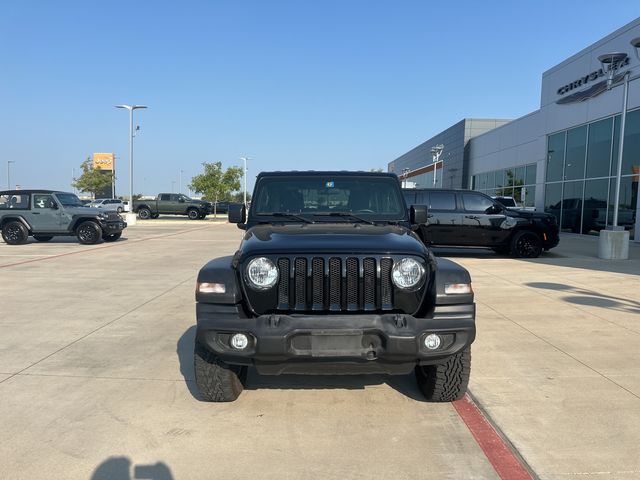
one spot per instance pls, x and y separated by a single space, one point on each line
368 343
112 226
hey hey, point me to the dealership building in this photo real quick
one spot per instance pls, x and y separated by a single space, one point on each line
561 158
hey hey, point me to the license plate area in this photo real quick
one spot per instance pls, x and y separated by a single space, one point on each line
341 343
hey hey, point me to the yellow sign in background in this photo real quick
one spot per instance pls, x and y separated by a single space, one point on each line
103 161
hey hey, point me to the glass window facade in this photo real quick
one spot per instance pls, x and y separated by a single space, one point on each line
581 175
516 182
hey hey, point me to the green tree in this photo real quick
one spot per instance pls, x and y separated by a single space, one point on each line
91 180
216 184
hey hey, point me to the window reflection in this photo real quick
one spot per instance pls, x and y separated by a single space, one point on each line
555 156
572 207
576 149
595 206
599 150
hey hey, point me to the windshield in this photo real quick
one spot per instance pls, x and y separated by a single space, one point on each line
185 198
329 196
69 200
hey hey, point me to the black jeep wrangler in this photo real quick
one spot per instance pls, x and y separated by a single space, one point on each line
330 279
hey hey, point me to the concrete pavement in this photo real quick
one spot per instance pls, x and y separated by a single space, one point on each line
557 360
96 376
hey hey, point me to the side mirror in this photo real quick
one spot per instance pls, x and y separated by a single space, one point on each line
53 205
237 214
181 200
493 209
418 214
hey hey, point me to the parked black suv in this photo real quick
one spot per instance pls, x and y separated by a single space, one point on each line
45 214
330 278
470 218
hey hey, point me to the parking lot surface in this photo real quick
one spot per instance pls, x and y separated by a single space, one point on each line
96 375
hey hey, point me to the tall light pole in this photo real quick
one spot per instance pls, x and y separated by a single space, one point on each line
180 189
9 162
614 241
173 186
436 151
244 174
131 108
405 172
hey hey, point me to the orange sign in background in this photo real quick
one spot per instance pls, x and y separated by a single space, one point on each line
103 161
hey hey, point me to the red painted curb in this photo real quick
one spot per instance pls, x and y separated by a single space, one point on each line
503 460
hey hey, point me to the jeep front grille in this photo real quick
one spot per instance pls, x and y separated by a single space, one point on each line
334 284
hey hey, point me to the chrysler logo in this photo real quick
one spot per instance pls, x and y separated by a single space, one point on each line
594 90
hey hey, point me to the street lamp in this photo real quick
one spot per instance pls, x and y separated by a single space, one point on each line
244 174
131 216
436 151
9 162
173 186
180 190
614 241
405 172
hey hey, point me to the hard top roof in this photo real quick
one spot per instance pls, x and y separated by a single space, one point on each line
29 191
329 173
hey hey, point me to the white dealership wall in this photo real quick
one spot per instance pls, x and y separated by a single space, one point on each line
523 140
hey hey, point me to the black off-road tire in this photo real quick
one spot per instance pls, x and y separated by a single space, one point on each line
112 237
144 213
217 381
89 233
43 238
526 244
193 214
15 233
447 381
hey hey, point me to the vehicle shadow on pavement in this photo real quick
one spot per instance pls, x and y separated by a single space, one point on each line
119 468
589 298
184 349
404 384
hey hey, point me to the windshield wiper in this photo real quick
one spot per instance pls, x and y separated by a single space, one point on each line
344 214
288 215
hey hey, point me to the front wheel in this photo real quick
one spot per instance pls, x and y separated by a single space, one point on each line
193 214
447 381
526 244
89 233
144 213
15 233
217 381
112 237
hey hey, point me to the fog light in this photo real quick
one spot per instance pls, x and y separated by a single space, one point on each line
432 341
239 341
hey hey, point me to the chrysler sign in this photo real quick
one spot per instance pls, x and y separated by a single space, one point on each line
594 89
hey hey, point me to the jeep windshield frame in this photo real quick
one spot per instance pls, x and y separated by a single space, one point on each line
328 197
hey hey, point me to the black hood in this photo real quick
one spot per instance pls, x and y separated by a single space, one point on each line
529 214
322 238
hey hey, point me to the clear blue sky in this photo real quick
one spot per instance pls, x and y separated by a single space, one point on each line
344 84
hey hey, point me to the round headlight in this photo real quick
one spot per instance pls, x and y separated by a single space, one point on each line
262 273
407 274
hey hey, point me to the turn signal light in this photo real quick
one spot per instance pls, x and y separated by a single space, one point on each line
457 288
205 287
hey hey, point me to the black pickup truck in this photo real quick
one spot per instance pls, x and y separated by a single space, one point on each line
330 279
172 204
